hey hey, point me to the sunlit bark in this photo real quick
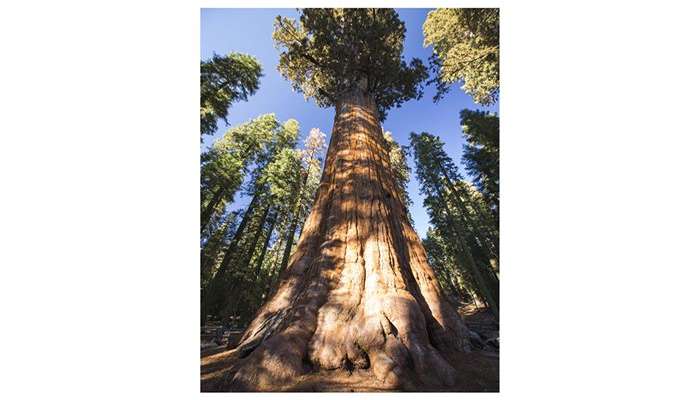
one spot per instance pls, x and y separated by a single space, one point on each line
358 292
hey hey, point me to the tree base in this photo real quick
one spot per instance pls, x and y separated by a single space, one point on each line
477 372
358 301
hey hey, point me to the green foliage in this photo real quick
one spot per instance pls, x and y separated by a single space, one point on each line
290 182
282 175
450 275
281 189
460 217
224 165
277 158
480 155
328 52
432 163
311 171
224 80
399 167
211 252
465 48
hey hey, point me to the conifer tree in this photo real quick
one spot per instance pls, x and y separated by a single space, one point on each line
270 182
465 48
399 166
441 257
224 165
213 246
290 181
224 80
308 183
480 155
457 215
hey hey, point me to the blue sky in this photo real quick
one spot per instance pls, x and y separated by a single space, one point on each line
250 31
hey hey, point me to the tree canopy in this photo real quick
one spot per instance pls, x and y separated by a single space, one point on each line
398 159
225 164
224 80
460 217
248 247
465 48
330 51
480 155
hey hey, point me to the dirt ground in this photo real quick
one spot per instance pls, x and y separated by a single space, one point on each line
479 370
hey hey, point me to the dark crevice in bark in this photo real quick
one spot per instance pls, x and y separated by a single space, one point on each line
306 363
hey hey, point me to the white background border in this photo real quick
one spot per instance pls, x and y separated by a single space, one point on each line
99 164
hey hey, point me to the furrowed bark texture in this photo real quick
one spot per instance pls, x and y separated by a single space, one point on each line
358 292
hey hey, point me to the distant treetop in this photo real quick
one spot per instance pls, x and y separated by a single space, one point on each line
224 80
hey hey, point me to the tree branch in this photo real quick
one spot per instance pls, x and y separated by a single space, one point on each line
303 53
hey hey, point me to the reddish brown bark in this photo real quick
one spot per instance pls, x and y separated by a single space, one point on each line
358 293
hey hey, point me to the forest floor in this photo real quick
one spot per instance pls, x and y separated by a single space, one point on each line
478 370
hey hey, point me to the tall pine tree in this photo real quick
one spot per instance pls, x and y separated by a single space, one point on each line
224 165
457 213
266 193
224 80
480 155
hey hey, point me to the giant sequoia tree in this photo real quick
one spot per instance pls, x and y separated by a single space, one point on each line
358 293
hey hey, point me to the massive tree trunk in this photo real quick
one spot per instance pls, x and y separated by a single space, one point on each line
358 293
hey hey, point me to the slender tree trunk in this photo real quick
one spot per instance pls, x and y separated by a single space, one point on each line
358 292
293 228
233 292
209 210
211 251
451 287
490 297
290 241
466 258
266 243
271 277
489 224
218 278
444 275
256 238
233 246
467 219
255 277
